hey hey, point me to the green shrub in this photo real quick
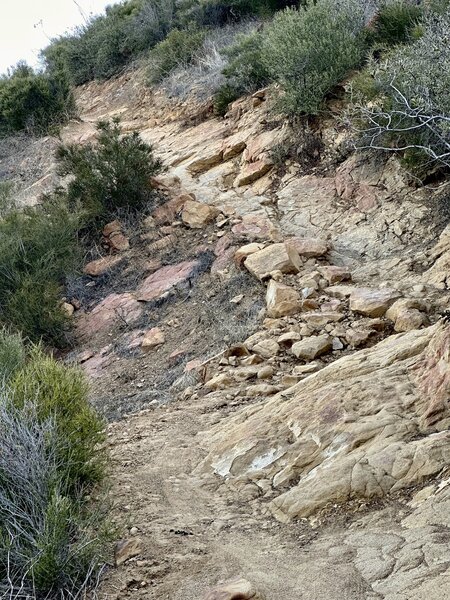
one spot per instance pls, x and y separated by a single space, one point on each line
216 13
51 539
34 101
109 42
114 173
179 48
246 70
412 112
39 247
60 392
395 22
311 50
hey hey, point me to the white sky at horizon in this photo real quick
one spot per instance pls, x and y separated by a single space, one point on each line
27 25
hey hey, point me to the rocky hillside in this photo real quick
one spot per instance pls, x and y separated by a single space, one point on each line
271 348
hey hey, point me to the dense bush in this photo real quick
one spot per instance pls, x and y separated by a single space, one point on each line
179 48
34 101
216 13
51 539
411 113
395 22
60 392
112 174
311 50
38 247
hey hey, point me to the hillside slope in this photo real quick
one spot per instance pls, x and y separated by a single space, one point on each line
294 409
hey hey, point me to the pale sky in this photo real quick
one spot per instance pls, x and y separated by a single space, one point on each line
27 25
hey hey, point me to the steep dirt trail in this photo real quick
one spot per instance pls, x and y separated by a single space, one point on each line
195 530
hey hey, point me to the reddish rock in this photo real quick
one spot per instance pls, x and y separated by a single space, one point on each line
255 227
113 309
118 242
192 365
163 280
223 244
98 267
166 213
113 227
222 262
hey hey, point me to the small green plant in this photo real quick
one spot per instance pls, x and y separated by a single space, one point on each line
112 174
12 354
179 48
226 94
6 197
39 247
311 50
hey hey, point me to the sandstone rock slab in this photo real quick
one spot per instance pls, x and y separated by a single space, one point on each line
276 257
165 279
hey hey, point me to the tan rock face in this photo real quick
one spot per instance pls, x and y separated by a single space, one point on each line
255 227
281 300
312 347
238 589
251 172
196 214
244 251
163 280
276 257
372 303
346 431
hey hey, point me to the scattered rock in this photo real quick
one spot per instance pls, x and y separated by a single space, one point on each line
276 257
98 267
312 347
251 172
237 589
309 247
196 214
266 348
335 274
126 549
244 251
119 242
281 300
153 338
371 302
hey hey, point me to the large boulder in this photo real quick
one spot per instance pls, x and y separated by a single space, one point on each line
368 424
